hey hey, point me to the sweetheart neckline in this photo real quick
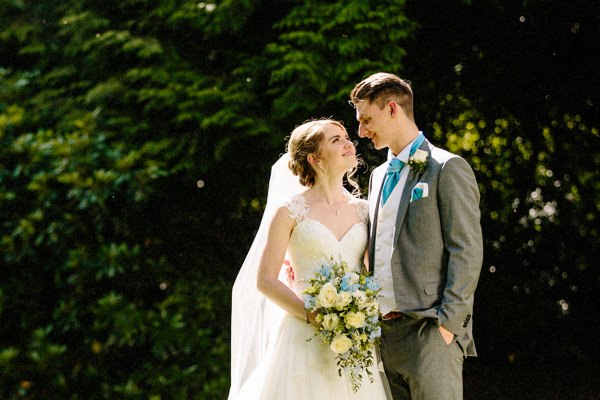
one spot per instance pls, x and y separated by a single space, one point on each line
330 231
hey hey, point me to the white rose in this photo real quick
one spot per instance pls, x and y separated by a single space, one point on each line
328 296
355 319
340 344
419 156
344 298
331 322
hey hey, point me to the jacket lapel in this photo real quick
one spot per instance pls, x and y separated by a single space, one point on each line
376 184
404 201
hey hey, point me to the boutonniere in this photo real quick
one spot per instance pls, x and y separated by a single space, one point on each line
418 161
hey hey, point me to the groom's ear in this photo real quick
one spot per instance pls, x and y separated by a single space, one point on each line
394 108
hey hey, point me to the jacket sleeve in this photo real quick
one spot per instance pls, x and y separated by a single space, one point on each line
458 197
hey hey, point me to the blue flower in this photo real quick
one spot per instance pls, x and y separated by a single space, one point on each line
345 284
309 302
375 333
371 284
325 272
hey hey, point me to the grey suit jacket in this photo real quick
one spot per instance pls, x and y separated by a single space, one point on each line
438 250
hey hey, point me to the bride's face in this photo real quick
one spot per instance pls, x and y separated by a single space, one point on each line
337 152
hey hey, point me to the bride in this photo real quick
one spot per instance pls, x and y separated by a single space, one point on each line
303 224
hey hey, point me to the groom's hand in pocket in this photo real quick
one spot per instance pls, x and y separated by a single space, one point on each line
446 335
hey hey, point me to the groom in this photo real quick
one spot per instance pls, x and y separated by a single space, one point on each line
425 245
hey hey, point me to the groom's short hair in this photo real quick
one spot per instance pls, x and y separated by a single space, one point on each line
382 87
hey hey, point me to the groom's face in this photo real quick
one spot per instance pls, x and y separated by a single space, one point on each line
374 122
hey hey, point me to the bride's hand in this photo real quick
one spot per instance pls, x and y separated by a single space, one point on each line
311 318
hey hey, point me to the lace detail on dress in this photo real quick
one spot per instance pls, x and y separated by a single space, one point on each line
297 207
362 209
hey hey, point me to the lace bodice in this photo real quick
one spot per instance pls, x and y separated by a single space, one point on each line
311 242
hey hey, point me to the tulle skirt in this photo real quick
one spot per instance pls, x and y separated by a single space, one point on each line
297 369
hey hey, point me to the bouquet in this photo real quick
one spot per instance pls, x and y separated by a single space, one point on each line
347 310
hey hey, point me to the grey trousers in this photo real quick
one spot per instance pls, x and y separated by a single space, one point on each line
418 364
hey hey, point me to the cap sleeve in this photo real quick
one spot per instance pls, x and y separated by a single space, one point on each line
297 208
362 209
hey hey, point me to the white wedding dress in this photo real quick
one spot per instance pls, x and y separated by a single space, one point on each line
293 367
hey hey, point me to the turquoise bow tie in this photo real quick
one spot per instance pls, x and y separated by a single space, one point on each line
392 175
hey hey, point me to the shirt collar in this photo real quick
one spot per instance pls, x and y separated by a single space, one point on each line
404 154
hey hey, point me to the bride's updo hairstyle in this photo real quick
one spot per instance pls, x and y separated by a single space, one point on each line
306 139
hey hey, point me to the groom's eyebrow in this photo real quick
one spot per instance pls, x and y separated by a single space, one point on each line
361 116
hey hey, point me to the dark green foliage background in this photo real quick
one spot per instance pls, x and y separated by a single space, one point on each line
136 139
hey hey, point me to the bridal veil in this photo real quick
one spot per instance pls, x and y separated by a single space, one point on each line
254 319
